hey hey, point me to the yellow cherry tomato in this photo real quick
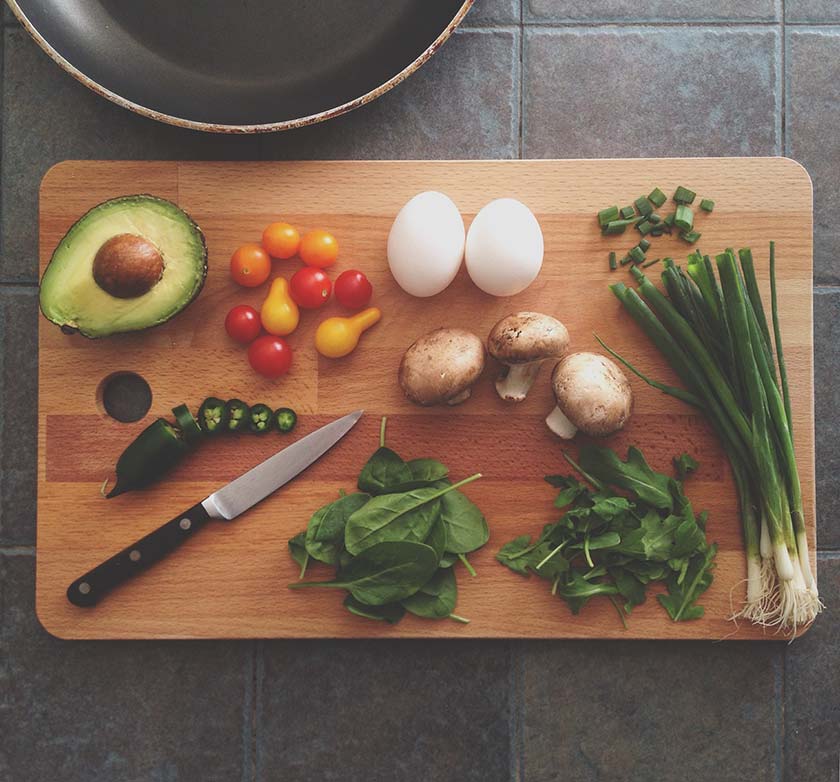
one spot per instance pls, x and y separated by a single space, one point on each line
281 240
336 337
318 248
279 313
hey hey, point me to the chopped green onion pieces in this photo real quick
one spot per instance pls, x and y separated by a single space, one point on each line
625 260
617 226
628 212
684 195
684 217
644 206
690 236
645 245
707 205
654 218
659 230
669 220
637 254
650 263
667 262
657 197
606 216
613 262
645 227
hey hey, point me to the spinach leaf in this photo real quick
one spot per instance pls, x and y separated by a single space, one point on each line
436 598
325 532
384 573
384 470
437 538
634 475
466 527
427 470
448 559
390 612
297 548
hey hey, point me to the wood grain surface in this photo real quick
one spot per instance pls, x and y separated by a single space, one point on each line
231 581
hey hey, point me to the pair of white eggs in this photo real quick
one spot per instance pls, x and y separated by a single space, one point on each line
503 248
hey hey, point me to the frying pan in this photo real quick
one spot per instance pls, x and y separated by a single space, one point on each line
240 66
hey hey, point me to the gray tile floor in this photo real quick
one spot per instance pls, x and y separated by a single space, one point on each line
553 78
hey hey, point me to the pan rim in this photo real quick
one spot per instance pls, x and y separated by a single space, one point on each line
267 127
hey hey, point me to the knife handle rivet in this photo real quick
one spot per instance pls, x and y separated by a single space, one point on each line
134 556
185 524
84 588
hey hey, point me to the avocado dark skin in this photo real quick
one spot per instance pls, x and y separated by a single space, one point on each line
127 266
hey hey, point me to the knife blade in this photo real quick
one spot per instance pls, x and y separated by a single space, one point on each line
227 503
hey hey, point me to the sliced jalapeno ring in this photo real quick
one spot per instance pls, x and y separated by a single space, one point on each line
260 417
238 415
285 419
187 424
212 415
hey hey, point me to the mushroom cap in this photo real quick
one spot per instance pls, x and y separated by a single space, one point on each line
593 392
441 365
527 336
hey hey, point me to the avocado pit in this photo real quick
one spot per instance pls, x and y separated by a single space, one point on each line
127 266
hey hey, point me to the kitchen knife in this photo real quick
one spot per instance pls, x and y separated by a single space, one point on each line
226 503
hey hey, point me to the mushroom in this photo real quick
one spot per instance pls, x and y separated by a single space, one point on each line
441 366
522 342
592 394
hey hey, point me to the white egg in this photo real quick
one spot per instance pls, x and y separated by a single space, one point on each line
426 244
504 247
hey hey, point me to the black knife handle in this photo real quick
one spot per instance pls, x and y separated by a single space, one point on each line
95 584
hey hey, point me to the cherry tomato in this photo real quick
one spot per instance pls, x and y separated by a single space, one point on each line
353 289
270 356
243 324
281 240
250 265
318 248
310 287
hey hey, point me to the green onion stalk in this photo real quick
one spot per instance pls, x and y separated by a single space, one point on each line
712 329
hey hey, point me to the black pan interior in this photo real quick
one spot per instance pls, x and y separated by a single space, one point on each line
240 62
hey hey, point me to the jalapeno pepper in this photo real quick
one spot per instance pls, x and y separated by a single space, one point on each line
212 416
284 419
260 417
237 415
187 424
157 449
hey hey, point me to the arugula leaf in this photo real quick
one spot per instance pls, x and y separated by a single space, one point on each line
684 465
680 602
570 489
634 474
514 554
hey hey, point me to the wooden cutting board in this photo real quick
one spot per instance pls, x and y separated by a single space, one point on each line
230 582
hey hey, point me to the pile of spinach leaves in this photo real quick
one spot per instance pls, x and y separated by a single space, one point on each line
394 542
626 527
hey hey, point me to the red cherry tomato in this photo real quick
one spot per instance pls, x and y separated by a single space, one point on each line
353 289
243 324
270 356
310 288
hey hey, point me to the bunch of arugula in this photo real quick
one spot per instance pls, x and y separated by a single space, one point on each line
615 544
395 541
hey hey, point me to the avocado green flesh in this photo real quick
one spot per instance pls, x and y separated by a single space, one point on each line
70 296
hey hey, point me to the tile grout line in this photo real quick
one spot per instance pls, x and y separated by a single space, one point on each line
17 551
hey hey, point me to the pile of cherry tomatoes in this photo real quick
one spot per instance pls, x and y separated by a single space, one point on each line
308 288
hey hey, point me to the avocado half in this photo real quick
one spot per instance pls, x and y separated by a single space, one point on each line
128 264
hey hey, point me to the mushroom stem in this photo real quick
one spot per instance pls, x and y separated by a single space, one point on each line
560 424
515 380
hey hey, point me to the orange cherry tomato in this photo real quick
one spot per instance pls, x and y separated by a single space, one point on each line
250 265
318 248
281 240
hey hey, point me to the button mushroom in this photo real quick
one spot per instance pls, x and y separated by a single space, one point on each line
592 394
522 342
441 366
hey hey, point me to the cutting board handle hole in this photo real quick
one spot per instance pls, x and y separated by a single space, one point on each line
124 396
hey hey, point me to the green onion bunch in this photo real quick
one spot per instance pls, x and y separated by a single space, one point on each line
710 326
